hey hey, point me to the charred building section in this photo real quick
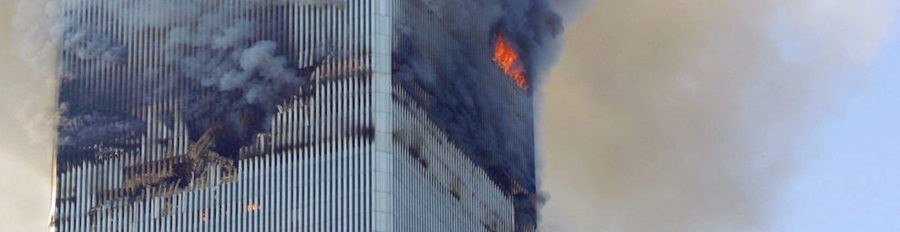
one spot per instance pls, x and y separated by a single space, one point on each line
473 66
334 115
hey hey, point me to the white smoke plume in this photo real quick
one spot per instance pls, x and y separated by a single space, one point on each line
689 115
27 115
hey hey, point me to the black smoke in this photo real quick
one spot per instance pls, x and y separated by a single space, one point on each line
443 57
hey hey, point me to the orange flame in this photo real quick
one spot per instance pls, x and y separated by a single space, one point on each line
508 60
253 207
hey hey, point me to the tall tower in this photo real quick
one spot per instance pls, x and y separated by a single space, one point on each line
290 115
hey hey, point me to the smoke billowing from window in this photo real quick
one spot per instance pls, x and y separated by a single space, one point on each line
446 55
230 69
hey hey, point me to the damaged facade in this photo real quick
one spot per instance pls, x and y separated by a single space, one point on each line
283 115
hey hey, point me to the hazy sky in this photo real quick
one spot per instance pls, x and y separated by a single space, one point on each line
709 115
698 115
851 181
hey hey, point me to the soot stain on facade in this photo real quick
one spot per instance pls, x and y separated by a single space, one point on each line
175 88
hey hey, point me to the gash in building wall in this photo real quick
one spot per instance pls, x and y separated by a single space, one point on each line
315 115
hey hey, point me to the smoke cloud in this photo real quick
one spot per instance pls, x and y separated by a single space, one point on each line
27 118
443 57
220 59
688 115
445 48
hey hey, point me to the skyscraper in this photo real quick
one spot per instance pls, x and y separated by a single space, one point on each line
297 115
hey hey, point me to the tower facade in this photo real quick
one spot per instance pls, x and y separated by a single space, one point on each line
284 115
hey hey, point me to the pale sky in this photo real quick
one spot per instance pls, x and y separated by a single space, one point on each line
709 115
851 181
699 115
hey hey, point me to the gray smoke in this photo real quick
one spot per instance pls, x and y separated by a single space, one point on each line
96 128
27 116
89 45
220 59
230 67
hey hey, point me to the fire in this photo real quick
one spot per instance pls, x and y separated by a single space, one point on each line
253 207
508 60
